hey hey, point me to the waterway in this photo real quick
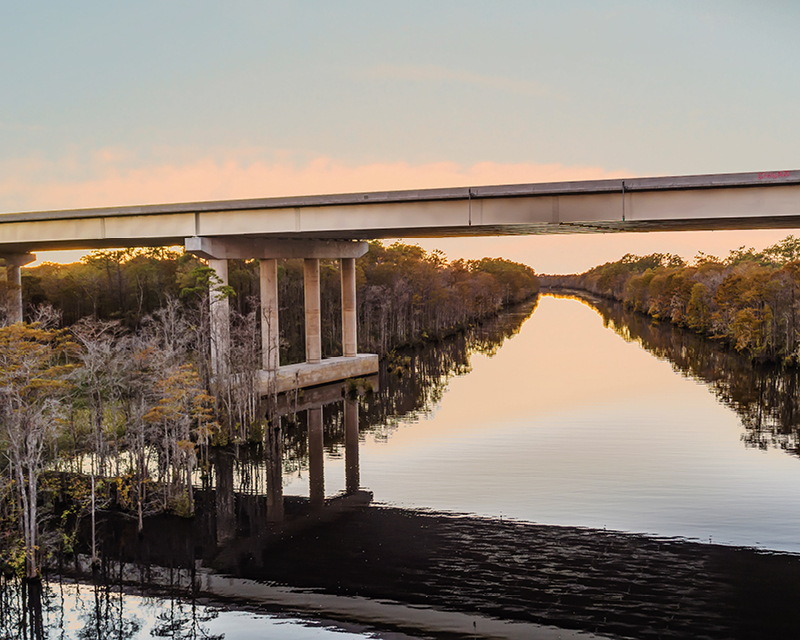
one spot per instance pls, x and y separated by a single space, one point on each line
568 470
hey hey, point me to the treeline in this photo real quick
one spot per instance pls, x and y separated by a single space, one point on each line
405 294
749 300
109 383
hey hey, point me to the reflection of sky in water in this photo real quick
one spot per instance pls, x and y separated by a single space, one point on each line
150 614
569 424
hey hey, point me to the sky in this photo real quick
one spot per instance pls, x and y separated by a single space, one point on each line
109 104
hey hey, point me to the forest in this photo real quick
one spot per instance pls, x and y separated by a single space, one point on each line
748 300
106 395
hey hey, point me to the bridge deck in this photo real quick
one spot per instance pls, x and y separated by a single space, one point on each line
723 201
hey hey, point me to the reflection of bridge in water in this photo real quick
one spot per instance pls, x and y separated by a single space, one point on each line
309 406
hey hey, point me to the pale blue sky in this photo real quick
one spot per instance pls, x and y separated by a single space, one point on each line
115 103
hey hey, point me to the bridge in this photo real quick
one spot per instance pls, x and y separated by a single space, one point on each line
336 226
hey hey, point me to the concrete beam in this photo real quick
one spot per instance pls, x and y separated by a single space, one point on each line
17 259
303 375
263 248
758 200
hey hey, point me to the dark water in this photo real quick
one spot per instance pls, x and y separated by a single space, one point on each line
570 469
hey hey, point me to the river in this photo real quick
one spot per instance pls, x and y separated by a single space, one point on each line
568 469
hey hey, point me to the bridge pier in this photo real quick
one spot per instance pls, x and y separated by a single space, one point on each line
14 263
313 320
270 333
316 370
220 318
349 317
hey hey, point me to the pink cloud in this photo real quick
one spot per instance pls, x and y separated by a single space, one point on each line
110 177
106 179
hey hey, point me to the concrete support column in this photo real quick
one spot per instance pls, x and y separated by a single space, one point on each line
352 476
220 317
275 471
14 265
270 335
14 277
312 300
316 459
349 321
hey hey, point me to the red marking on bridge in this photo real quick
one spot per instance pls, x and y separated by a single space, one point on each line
770 175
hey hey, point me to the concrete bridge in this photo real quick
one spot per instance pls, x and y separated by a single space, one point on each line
334 226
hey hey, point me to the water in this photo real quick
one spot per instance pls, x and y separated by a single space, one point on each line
569 469
568 424
92 611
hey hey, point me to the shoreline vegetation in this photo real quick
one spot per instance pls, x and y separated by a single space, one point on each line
106 395
763 394
749 301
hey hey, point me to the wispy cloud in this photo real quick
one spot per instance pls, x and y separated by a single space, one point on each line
436 73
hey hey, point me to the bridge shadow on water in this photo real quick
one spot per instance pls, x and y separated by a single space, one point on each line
444 575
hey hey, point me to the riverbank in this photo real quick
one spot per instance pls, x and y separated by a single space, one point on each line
748 300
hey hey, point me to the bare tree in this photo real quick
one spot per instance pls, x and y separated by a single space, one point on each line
32 385
98 382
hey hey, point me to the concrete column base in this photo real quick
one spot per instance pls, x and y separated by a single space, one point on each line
303 374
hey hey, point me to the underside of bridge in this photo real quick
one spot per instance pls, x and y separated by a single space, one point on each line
315 370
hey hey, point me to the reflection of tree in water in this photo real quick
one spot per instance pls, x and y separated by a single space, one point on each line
181 620
412 382
103 614
100 610
764 396
13 621
24 605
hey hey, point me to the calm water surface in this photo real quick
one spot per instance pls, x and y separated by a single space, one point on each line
565 412
569 424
